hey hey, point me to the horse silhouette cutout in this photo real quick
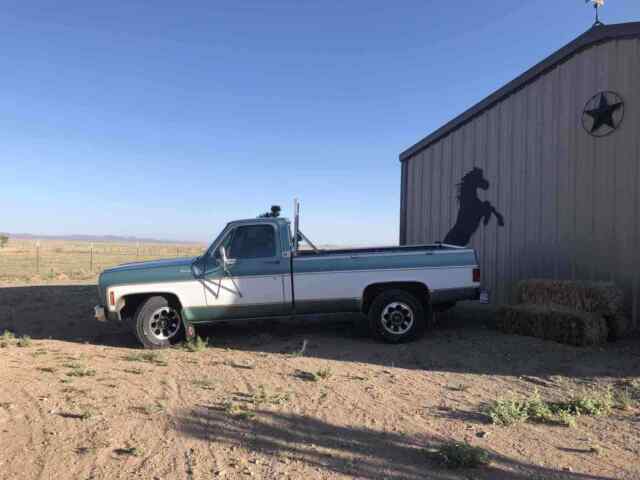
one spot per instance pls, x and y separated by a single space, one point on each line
472 209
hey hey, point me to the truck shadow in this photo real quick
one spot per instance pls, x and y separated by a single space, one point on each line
355 452
59 312
462 342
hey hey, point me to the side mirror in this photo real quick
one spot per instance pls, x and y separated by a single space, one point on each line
196 268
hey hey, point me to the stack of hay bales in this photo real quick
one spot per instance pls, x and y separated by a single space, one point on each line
576 313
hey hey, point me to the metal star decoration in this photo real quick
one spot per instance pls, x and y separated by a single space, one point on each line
603 115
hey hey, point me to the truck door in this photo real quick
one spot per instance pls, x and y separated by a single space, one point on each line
254 281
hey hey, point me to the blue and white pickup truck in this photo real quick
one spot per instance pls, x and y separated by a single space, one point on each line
255 269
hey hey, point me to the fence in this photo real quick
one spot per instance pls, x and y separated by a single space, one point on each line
31 260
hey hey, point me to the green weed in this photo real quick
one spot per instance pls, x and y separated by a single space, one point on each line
462 455
196 344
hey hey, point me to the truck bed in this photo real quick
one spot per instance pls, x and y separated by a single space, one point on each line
434 247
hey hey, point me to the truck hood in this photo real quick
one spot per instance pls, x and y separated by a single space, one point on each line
169 263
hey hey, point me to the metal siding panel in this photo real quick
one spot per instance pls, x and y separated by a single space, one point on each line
565 197
504 203
413 188
436 196
532 182
423 198
516 220
549 178
634 128
480 161
584 174
604 180
446 189
403 203
427 229
489 262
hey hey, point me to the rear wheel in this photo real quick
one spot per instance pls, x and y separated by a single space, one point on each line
397 316
158 324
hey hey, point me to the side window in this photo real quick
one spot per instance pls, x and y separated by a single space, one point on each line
252 241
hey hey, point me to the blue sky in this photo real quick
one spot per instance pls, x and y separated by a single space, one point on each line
167 119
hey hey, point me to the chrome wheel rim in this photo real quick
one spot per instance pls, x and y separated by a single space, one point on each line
397 318
163 323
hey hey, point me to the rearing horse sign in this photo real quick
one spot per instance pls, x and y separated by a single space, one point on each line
472 209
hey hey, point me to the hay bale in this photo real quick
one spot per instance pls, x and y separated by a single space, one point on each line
595 297
553 322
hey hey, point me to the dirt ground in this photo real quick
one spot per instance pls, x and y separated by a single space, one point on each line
82 402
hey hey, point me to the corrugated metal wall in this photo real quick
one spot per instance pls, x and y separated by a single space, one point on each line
571 201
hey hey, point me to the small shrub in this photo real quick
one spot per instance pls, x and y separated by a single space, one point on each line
204 384
134 371
537 409
462 455
78 370
624 398
324 374
24 341
261 397
6 338
592 404
196 344
238 411
508 412
567 418
147 357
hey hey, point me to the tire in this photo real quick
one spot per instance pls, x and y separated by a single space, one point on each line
397 316
158 324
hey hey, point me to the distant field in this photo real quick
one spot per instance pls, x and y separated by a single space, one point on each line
30 261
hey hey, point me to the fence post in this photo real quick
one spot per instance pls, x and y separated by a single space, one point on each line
37 256
91 258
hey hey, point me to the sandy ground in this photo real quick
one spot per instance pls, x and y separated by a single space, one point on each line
81 403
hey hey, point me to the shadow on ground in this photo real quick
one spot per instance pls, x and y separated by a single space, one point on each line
59 312
463 340
349 451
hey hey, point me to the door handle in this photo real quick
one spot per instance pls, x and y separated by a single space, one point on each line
272 262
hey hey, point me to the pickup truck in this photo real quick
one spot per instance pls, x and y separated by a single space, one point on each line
255 269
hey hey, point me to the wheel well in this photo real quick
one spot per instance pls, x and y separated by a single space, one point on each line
133 301
419 290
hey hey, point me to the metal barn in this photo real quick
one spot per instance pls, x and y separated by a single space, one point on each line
541 177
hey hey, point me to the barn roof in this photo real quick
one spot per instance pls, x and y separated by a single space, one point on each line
596 34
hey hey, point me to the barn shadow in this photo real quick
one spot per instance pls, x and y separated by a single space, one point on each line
462 342
355 452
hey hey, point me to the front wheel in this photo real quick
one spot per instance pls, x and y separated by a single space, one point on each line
397 316
158 324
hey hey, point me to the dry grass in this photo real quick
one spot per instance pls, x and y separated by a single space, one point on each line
61 260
